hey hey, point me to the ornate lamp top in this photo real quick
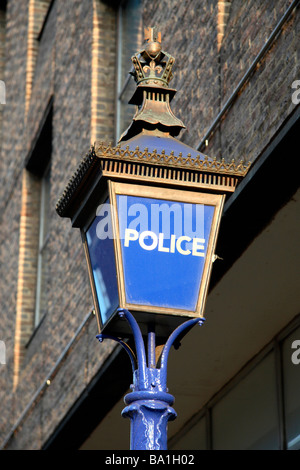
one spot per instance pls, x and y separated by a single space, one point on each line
148 150
152 66
152 73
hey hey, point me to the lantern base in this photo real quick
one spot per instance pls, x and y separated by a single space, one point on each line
149 405
149 422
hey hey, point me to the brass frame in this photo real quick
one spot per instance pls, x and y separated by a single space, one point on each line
217 200
92 283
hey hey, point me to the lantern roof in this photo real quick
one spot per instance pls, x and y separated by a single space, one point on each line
148 151
162 143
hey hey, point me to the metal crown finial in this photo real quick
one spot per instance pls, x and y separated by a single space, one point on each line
152 34
152 65
152 73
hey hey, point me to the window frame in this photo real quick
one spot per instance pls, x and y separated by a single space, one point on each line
275 346
121 84
43 241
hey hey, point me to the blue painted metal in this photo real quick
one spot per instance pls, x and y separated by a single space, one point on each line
129 351
149 404
175 268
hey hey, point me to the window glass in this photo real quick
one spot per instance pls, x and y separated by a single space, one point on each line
194 439
102 259
42 268
130 40
2 63
291 378
246 418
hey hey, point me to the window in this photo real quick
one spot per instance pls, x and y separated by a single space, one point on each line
259 409
42 264
291 376
2 59
194 438
38 165
38 11
129 41
2 37
246 417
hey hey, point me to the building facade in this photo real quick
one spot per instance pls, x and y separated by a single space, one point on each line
65 66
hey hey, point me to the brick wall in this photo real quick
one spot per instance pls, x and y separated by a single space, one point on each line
10 195
27 269
103 76
214 42
60 66
265 102
193 43
2 59
37 10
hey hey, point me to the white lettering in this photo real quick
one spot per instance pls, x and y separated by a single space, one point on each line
169 216
295 95
172 244
130 235
193 218
159 242
117 460
2 92
145 234
198 244
178 245
2 353
141 220
104 226
296 355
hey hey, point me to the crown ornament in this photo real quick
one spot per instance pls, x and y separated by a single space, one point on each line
152 65
153 73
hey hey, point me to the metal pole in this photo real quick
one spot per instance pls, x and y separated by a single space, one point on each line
149 405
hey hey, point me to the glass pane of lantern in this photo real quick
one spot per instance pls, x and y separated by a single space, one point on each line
163 245
101 250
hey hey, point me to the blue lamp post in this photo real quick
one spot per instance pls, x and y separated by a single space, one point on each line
149 211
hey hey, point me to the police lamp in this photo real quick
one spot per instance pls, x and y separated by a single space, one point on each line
149 211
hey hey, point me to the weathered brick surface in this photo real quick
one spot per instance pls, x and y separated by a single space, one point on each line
2 60
212 75
265 102
193 42
8 296
10 196
13 111
62 65
214 42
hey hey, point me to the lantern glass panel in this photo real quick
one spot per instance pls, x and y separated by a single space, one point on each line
164 245
102 260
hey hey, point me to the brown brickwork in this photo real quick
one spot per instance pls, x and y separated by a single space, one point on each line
2 58
73 67
223 14
103 77
37 10
28 245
